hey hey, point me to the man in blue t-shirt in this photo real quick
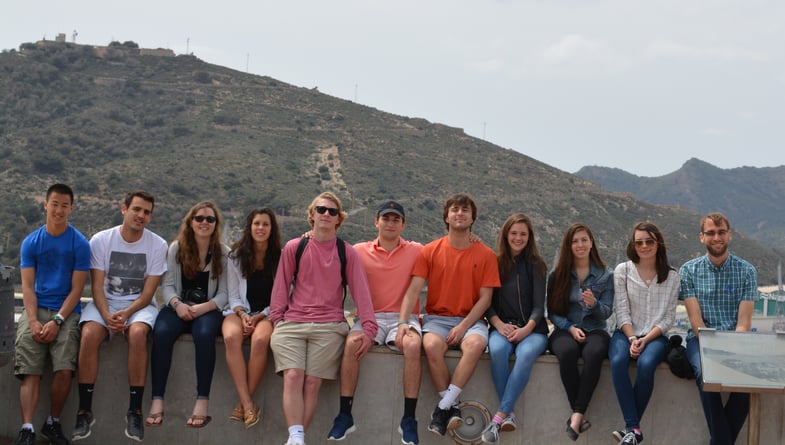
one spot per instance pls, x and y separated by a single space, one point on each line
719 291
55 260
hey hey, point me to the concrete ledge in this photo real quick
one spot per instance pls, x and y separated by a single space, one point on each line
674 415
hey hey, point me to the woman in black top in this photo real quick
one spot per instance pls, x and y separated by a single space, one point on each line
517 319
251 268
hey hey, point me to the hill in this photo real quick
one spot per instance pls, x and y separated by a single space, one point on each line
115 120
751 197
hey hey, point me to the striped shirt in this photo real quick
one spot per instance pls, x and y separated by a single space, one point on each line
644 307
719 289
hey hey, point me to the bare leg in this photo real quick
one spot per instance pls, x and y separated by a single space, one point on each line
435 348
28 396
293 391
412 366
310 398
58 393
472 348
350 366
260 346
93 334
232 331
137 353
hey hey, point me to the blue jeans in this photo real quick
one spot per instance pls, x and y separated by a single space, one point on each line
511 382
724 422
633 399
204 330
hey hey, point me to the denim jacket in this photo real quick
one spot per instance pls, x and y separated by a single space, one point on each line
600 281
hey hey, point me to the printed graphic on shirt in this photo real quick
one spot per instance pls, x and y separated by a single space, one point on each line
126 273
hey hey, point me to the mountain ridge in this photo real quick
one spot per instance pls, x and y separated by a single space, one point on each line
187 130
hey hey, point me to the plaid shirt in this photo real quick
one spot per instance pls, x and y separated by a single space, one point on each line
644 307
719 289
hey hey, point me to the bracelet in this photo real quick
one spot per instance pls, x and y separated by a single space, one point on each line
632 338
401 323
174 304
240 313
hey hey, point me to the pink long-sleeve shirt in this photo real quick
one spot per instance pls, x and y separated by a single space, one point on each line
318 294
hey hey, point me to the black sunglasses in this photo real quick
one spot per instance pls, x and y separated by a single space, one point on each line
321 209
202 218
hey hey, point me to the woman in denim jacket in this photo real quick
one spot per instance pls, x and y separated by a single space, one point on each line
580 299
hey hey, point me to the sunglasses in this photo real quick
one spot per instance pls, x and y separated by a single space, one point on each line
648 242
321 209
202 218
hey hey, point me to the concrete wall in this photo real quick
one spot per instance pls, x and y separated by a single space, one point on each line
674 415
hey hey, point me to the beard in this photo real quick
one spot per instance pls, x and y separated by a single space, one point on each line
717 251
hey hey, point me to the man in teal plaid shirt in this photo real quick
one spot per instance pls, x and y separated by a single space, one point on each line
719 291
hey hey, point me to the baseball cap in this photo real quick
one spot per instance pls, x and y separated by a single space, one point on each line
390 207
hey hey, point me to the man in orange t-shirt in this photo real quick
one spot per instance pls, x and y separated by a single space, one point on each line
461 276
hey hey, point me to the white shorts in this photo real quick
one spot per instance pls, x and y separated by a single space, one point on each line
388 327
146 315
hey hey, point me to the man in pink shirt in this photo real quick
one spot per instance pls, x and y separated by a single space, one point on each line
310 326
388 262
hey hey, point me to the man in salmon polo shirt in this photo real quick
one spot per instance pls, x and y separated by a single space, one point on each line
388 262
461 276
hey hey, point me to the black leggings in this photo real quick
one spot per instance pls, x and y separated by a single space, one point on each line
579 385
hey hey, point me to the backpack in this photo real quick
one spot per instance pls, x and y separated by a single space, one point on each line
676 356
339 243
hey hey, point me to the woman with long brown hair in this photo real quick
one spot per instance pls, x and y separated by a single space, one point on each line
195 294
580 299
253 261
647 289
517 319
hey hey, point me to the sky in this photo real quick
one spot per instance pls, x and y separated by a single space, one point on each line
638 85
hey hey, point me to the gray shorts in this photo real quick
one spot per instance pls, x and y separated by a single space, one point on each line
441 325
146 315
31 357
388 327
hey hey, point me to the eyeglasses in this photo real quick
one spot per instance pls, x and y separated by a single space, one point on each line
712 233
647 241
321 209
202 218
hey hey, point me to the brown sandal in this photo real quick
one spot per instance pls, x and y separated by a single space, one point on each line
237 414
155 419
252 416
196 417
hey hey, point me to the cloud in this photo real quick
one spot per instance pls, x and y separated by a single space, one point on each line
713 132
577 55
668 49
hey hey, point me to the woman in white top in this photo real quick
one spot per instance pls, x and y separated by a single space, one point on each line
253 261
647 288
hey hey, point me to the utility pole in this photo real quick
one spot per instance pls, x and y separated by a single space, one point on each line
247 57
187 46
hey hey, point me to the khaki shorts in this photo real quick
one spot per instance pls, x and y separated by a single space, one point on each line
32 358
316 348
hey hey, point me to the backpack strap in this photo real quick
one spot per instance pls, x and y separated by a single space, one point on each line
339 244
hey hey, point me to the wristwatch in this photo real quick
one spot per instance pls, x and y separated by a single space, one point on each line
632 338
58 319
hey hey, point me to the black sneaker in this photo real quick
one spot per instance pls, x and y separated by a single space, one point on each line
54 433
25 437
84 420
620 435
134 428
439 420
456 420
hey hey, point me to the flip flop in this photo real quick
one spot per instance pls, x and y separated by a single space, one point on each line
196 417
158 419
237 414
